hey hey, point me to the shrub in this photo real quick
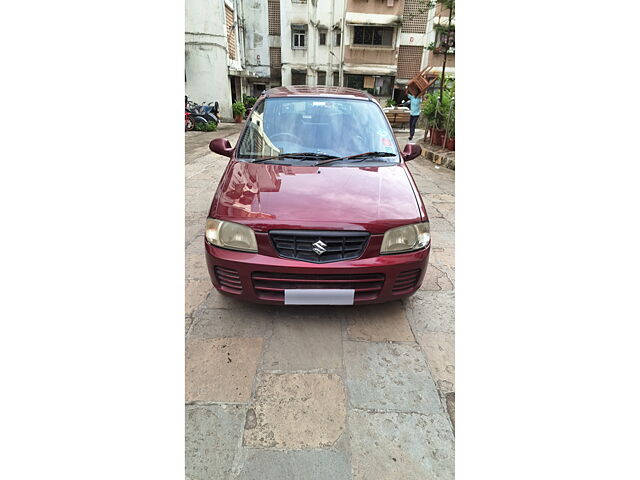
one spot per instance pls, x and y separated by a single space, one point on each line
391 102
206 127
248 101
238 109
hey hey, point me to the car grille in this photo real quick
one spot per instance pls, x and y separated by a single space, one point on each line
271 286
406 281
229 279
337 246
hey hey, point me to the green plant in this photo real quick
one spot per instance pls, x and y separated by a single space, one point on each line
390 102
431 46
248 101
441 114
206 127
238 109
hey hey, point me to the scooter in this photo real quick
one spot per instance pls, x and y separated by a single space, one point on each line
203 113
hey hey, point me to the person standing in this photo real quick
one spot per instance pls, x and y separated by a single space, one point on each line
414 107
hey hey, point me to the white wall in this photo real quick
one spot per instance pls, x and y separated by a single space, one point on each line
206 54
256 36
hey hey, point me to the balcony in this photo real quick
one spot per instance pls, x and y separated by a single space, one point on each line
376 7
369 55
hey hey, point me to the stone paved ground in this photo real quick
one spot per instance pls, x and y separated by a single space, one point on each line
277 393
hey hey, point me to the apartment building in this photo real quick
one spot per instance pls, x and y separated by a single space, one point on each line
376 45
236 47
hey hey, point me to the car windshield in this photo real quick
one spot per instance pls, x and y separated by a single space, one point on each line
318 128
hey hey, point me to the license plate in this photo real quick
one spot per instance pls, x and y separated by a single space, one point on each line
318 296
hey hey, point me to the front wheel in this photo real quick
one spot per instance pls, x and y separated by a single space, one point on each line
188 124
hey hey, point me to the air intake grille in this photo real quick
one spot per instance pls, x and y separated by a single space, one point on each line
229 279
319 246
406 281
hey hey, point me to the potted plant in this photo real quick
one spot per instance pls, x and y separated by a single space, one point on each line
450 142
429 111
249 102
238 109
390 102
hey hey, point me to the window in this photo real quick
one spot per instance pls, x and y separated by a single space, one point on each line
336 79
231 33
298 1
372 35
298 77
274 17
338 38
445 41
322 35
322 78
381 86
298 36
333 126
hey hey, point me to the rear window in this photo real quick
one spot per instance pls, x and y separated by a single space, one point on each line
330 126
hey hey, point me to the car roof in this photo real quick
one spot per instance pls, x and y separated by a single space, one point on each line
317 91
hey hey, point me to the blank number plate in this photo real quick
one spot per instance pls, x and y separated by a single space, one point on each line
318 297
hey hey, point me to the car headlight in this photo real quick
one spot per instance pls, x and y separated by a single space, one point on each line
406 238
230 235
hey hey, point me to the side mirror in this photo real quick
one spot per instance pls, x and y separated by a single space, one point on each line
221 146
411 151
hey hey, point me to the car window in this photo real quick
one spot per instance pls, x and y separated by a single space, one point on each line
330 126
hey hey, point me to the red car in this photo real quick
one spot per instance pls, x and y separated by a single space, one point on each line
317 205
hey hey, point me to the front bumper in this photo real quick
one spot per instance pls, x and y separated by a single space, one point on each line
262 278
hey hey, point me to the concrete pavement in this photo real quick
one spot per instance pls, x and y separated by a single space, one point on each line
318 392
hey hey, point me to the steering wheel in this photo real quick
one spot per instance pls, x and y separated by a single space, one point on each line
295 139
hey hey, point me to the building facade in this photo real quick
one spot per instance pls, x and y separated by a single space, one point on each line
236 47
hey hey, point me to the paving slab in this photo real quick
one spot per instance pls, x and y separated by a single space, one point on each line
431 311
262 464
196 266
442 239
224 322
446 185
305 338
296 411
212 435
439 224
438 348
379 323
401 446
196 291
389 376
442 256
221 369
446 210
443 198
436 279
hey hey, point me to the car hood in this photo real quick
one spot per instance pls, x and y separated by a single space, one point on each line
267 196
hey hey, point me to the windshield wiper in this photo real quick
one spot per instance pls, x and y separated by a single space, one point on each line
299 156
362 156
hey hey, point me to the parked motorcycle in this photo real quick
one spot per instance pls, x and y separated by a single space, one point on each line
203 113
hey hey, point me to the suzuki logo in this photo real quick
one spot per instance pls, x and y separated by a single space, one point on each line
318 247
